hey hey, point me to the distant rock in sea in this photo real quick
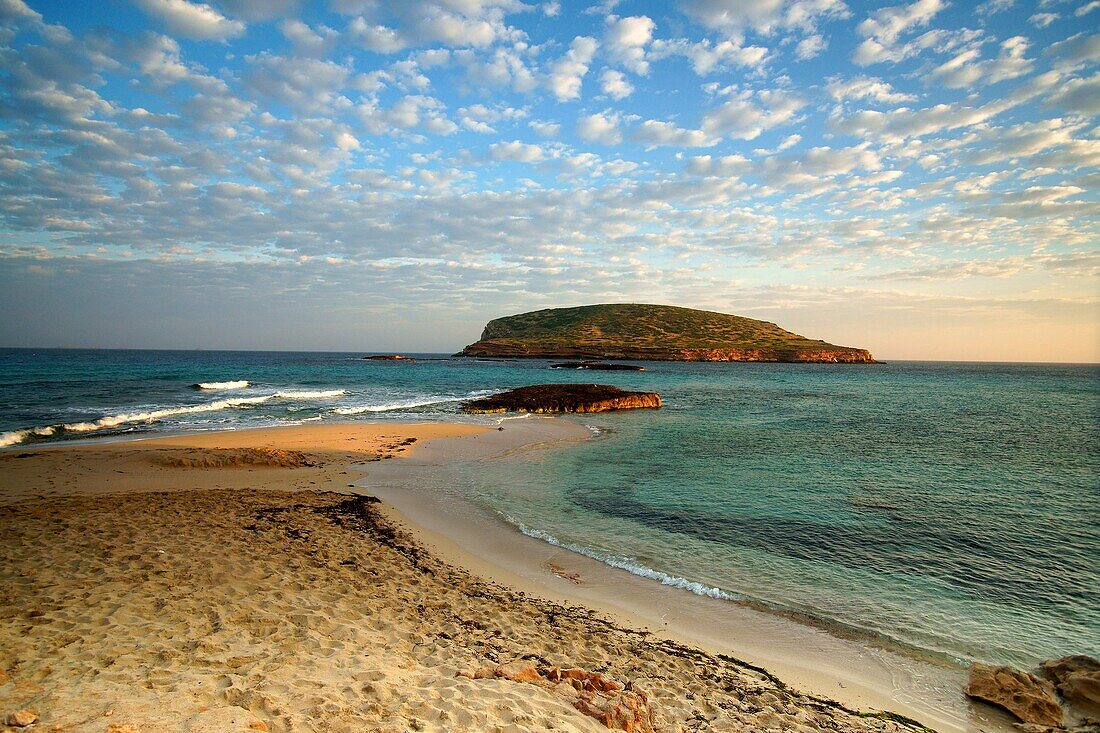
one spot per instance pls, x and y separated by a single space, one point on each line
389 357
652 332
599 366
543 398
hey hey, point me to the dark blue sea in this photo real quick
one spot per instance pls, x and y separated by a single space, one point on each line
951 508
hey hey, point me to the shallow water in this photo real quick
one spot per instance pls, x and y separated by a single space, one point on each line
948 507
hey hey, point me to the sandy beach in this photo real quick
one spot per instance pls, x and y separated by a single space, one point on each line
248 581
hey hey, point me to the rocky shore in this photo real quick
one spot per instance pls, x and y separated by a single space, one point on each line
558 398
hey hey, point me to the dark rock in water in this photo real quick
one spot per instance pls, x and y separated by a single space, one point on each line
1078 679
1029 698
389 357
564 398
598 366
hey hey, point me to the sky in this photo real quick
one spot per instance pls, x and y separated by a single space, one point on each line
916 178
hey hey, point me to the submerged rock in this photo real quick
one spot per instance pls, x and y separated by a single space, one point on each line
1077 677
1029 698
599 366
564 398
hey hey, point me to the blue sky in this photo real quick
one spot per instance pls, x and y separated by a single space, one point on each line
918 178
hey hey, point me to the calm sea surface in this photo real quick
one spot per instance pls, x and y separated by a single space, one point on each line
952 508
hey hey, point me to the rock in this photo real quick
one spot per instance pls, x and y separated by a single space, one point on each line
258 725
388 357
518 671
22 718
1077 677
628 711
1029 698
541 398
598 366
123 728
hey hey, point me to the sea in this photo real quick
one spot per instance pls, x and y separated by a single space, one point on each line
952 509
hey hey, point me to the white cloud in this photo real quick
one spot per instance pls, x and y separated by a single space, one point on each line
656 132
306 40
1080 96
1086 8
193 20
567 72
1042 20
602 128
1076 50
545 129
516 151
883 29
706 57
868 88
625 40
967 69
763 16
614 84
810 46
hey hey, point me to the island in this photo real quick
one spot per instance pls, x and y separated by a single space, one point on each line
542 398
652 332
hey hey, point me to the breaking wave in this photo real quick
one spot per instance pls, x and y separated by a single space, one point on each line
409 404
240 384
307 395
15 437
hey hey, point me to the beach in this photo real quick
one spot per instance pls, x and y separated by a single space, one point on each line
246 580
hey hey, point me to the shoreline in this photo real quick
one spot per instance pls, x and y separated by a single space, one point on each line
845 667
346 447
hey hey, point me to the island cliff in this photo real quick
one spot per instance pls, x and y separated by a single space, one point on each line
653 332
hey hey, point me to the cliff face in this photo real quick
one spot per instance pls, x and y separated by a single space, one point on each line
652 332
544 398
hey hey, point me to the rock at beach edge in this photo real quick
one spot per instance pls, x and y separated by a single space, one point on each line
550 398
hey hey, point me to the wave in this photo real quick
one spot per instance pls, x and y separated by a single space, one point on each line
308 395
240 384
16 437
614 561
409 404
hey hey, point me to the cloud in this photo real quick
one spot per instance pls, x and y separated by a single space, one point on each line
625 40
193 20
883 29
810 46
614 84
763 16
1076 50
706 57
517 152
568 71
602 128
1079 96
1042 20
399 24
967 69
865 88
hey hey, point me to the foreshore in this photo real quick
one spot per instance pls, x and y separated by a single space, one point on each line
226 581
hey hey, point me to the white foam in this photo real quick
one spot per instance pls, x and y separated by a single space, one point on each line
112 421
408 404
240 384
692 586
308 395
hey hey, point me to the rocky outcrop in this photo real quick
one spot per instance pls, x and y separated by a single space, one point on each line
618 706
637 331
549 398
1029 698
1077 677
839 355
599 366
388 357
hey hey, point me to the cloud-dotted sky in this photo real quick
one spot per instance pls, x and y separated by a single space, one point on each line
919 178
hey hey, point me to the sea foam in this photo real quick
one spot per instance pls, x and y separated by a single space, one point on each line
614 561
239 384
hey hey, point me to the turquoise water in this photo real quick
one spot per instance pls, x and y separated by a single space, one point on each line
952 508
